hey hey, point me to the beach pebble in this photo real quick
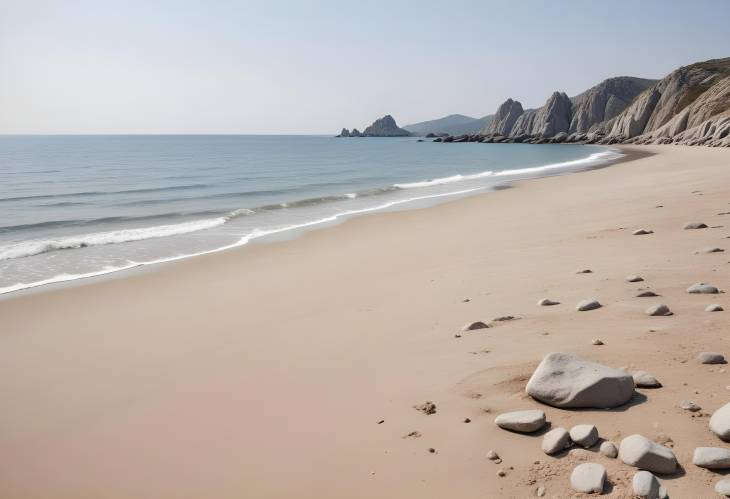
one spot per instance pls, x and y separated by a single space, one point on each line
547 302
501 473
723 487
588 478
473 326
492 455
659 310
690 406
540 492
641 232
646 294
587 305
504 318
637 450
521 421
584 435
720 422
702 288
427 408
711 249
596 342
608 449
643 379
584 271
711 457
634 278
711 358
555 440
714 308
647 486
563 380
694 225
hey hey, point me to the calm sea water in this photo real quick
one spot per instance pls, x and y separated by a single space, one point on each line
77 206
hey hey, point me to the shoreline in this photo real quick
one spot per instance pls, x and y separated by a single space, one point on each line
218 376
289 233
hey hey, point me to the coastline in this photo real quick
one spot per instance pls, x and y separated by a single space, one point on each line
292 231
221 374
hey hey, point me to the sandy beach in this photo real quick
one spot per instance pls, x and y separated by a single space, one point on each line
291 369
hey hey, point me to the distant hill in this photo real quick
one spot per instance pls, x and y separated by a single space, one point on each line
454 124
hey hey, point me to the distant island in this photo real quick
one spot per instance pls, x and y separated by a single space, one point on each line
383 127
690 106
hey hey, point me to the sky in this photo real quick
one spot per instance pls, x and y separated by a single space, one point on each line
297 67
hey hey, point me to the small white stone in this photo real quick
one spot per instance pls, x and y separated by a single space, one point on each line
659 310
720 422
547 302
634 278
588 478
711 457
555 440
642 232
521 421
702 288
643 379
723 487
608 449
637 450
710 358
647 486
714 308
584 435
586 305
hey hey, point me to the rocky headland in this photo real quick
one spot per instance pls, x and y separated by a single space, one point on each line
383 127
690 106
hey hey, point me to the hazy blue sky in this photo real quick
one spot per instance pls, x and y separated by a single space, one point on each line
314 67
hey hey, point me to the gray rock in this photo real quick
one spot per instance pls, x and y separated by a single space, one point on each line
555 440
584 271
643 379
588 478
473 326
584 435
711 457
723 487
710 358
714 308
720 422
658 310
504 119
694 225
642 232
521 421
702 288
647 486
647 293
711 249
504 318
492 455
586 305
597 342
608 449
546 302
690 406
639 451
634 278
540 492
562 380
385 127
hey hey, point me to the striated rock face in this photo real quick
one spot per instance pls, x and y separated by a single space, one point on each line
554 117
385 127
605 101
505 118
344 133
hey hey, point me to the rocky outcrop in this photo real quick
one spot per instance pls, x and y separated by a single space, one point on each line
385 127
605 101
505 118
344 133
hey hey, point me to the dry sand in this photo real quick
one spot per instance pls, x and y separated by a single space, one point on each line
264 372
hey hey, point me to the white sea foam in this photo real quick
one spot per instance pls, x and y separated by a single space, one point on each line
444 180
38 246
595 158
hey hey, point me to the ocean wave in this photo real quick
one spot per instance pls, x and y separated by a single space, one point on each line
444 180
103 193
39 246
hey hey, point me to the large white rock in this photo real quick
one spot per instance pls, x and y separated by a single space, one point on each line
555 440
521 421
711 457
584 435
720 422
588 478
647 486
562 380
637 450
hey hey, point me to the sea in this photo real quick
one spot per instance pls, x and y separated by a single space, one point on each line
73 207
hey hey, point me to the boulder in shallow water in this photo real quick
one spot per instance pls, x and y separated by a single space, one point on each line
588 478
563 380
637 450
521 421
586 305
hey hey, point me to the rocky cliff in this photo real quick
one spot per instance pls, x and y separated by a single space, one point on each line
505 118
383 127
